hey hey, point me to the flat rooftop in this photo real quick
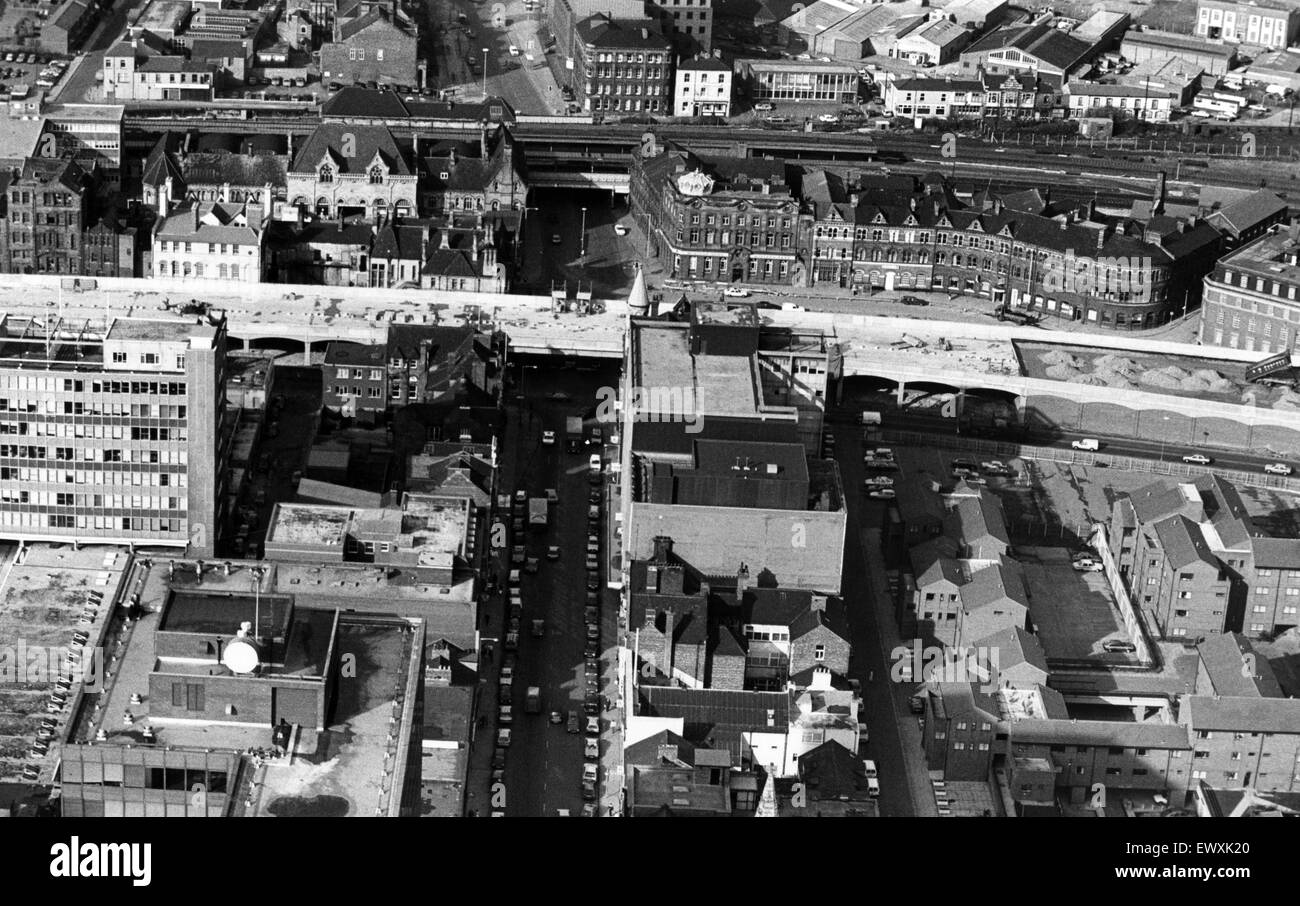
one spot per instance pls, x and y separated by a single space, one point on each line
303 523
202 612
1269 256
351 768
347 769
43 601
164 330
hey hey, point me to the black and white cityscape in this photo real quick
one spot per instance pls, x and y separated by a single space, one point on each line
649 408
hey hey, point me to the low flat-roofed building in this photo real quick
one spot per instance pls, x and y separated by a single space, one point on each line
1147 44
444 750
426 534
800 80
227 688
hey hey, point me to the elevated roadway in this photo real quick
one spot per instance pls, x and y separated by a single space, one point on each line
941 356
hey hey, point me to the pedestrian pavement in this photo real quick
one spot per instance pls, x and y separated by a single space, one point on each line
483 730
918 778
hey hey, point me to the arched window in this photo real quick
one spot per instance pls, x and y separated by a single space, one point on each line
956 260
376 175
326 173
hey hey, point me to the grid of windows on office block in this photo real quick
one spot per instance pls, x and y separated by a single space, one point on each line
98 456
116 782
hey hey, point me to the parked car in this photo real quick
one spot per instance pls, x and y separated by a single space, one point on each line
736 292
503 738
882 494
1087 566
553 552
1278 468
914 300
548 438
591 747
573 726
555 239
593 726
1118 646
620 230
1197 459
764 107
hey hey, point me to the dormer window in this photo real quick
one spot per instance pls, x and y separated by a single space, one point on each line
376 175
326 173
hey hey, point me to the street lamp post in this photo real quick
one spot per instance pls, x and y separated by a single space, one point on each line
582 237
485 58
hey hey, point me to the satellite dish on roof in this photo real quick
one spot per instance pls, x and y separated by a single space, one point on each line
242 655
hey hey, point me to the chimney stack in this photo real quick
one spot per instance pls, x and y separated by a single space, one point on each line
1158 202
742 582
663 548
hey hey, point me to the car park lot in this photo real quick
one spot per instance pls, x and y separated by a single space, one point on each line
1075 612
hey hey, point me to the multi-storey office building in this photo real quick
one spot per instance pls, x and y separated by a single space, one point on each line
724 219
117 437
1274 24
688 22
622 66
1251 296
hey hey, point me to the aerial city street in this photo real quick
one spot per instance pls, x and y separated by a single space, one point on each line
649 408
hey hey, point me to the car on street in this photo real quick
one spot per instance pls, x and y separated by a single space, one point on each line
914 300
1197 459
1118 646
593 564
764 107
593 631
591 705
512 640
572 725
521 497
555 239
882 494
1278 468
590 772
589 810
505 714
620 230
869 767
593 726
503 738
828 118
531 565
594 462
499 758
517 555
591 649
539 629
591 613
553 552
588 791
735 292
514 51
873 787
1087 566
878 481
557 718
591 666
548 438
591 747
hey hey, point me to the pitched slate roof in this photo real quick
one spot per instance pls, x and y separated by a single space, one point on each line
1245 213
237 169
1223 656
367 141
1015 646
993 584
398 241
1183 542
1241 713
